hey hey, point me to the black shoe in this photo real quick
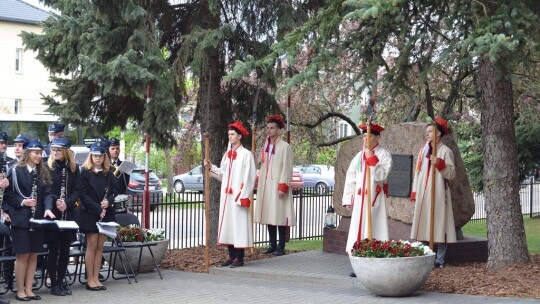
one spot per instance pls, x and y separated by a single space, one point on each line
352 275
25 299
92 288
66 289
237 263
270 250
279 252
101 277
35 298
102 287
438 265
228 262
57 290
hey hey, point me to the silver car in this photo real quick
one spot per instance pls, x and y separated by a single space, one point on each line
191 180
318 177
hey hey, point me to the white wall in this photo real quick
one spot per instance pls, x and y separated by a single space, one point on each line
27 84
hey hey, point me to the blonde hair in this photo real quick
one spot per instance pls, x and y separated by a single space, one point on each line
68 156
89 164
41 169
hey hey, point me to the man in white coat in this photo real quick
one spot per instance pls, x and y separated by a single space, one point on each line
237 174
274 204
444 228
379 163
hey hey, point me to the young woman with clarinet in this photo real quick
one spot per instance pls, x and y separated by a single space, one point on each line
97 205
29 187
65 189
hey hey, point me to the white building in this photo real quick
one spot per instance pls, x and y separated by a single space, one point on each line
22 77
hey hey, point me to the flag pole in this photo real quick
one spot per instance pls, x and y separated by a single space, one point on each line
433 171
254 151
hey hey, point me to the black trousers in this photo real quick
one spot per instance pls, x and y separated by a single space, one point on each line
58 258
272 233
5 240
237 253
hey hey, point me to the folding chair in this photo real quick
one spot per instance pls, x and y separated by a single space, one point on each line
126 219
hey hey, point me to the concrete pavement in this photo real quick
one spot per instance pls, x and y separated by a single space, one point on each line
305 277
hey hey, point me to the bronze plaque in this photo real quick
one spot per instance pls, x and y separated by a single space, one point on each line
400 177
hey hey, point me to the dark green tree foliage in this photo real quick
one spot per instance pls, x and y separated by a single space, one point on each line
101 55
448 41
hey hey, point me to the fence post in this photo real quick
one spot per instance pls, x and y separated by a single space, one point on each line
531 198
301 216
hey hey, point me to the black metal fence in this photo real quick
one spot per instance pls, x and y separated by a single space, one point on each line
182 216
529 196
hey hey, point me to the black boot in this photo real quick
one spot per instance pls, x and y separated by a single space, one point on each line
281 246
272 234
232 256
57 290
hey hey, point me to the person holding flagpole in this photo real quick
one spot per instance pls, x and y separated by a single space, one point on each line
444 228
237 175
379 162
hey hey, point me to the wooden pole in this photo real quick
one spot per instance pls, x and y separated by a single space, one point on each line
368 182
433 171
254 151
207 201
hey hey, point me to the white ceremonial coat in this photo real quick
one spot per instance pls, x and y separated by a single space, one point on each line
380 165
444 227
276 171
237 175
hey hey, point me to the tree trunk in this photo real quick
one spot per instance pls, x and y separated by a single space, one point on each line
214 115
506 233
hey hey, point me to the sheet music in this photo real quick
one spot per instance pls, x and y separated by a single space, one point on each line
126 167
107 229
65 225
42 221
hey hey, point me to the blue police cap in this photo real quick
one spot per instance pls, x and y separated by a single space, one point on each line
33 145
61 143
21 138
3 136
114 142
97 148
56 127
104 142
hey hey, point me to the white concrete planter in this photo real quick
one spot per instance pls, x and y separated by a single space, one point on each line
393 277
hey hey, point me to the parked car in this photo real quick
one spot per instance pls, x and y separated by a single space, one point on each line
320 177
191 180
297 183
135 189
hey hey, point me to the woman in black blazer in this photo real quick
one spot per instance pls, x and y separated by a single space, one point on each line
65 189
29 188
97 204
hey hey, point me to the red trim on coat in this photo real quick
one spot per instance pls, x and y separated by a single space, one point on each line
440 164
283 187
372 160
245 202
413 196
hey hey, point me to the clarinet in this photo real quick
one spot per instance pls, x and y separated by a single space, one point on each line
104 198
33 195
63 192
2 175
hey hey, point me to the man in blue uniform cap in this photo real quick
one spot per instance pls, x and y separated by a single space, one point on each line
56 130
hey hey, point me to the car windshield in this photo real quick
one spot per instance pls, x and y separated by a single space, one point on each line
139 174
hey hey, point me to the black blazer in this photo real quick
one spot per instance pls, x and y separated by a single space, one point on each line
20 216
94 191
74 190
121 181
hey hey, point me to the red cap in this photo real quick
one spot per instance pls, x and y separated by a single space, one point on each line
442 125
238 127
277 119
375 128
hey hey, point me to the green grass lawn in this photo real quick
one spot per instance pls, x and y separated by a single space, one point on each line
532 231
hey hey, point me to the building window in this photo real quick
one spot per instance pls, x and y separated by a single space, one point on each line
17 106
18 60
343 129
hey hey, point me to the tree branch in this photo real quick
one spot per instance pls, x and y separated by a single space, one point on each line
337 141
329 115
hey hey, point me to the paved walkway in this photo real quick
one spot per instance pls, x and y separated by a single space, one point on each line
306 277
